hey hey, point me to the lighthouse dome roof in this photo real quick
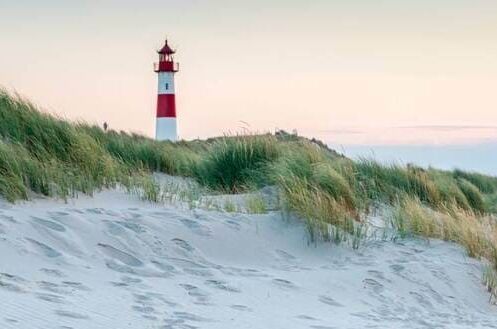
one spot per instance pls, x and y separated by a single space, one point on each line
166 49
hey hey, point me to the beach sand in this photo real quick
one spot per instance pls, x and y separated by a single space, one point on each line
113 261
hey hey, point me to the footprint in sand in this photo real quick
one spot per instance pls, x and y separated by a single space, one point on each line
200 296
12 277
244 272
97 211
306 317
72 315
160 298
421 300
196 227
119 255
285 255
186 264
204 273
397 268
167 268
58 213
232 224
126 281
363 262
150 317
285 284
12 283
118 284
373 284
131 280
221 285
242 308
378 275
53 287
134 270
329 301
144 309
137 228
142 299
44 249
11 287
133 215
183 244
114 229
48 224
75 285
175 323
52 298
52 272
112 213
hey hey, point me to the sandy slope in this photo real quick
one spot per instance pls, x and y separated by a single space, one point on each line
115 262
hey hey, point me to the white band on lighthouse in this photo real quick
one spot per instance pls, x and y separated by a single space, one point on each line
166 83
165 129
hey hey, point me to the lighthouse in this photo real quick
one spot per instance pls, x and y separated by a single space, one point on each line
165 125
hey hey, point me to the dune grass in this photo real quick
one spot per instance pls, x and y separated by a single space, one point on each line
255 204
49 156
236 164
45 155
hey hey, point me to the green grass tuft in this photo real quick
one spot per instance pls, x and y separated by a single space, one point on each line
235 164
472 194
256 204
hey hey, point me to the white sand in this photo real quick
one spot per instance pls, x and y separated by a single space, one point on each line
115 262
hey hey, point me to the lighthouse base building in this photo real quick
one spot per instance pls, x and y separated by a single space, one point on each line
166 125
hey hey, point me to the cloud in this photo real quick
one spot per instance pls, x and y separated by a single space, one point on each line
447 127
409 135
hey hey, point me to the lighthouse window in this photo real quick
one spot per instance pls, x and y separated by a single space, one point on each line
167 86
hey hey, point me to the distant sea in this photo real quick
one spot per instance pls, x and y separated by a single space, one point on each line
480 157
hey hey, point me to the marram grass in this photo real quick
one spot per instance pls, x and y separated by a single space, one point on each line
46 155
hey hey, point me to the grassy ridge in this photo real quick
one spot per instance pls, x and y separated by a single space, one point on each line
46 155
50 156
40 152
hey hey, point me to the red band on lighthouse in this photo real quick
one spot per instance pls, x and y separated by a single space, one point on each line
166 106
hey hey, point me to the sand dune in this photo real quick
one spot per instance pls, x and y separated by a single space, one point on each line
113 261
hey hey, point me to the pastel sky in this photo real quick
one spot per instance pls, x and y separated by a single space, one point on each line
348 71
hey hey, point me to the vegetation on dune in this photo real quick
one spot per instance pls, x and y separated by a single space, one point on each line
234 164
477 233
46 155
484 183
49 156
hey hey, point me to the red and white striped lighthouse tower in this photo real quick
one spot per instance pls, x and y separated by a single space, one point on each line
165 126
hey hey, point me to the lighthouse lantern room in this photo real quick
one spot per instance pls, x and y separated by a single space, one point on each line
165 126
